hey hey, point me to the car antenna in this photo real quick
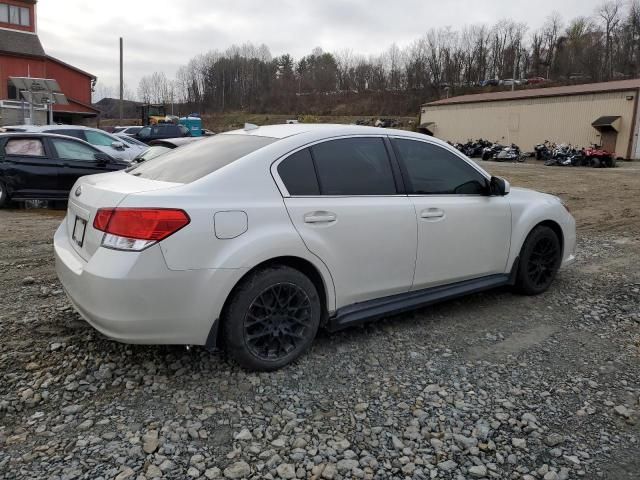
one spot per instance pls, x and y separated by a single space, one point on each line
250 126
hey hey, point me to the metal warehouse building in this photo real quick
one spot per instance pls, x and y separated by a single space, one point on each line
602 113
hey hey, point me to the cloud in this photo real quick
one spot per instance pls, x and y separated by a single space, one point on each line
164 34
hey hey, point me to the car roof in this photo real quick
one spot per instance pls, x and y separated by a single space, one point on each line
44 135
38 128
326 130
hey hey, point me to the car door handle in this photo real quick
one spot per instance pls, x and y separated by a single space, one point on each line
320 217
432 213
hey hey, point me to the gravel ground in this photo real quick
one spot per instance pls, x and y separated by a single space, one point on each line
490 386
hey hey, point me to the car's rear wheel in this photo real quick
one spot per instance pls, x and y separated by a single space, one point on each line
272 318
4 197
540 259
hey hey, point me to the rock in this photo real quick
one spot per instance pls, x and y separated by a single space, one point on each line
519 442
397 443
550 476
361 407
286 470
127 472
86 425
193 472
622 411
237 470
465 442
150 441
153 472
346 465
243 435
553 439
330 471
478 471
447 465
28 281
71 409
212 473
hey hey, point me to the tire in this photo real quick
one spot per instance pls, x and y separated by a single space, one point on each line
595 162
539 261
257 334
4 196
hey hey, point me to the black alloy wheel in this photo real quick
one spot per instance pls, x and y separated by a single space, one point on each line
272 318
277 320
540 259
541 262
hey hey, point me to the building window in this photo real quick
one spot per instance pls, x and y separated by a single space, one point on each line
12 91
15 15
24 17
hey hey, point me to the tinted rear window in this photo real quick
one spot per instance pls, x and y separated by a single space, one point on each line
194 161
298 174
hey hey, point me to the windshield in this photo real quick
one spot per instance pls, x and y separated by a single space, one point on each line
194 161
131 141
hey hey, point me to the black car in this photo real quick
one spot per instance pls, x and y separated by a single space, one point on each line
45 166
162 130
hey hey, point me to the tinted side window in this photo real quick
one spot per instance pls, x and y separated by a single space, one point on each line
432 170
70 150
25 147
354 166
298 175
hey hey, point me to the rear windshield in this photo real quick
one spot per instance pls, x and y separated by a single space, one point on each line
195 160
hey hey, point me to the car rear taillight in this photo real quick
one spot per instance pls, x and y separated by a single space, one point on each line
137 228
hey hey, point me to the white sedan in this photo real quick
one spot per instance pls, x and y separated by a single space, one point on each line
253 239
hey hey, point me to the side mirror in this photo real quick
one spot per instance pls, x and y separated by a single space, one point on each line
117 145
499 186
102 157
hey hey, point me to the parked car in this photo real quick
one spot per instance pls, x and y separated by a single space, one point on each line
131 130
162 130
253 239
40 166
108 143
492 82
132 141
158 147
537 80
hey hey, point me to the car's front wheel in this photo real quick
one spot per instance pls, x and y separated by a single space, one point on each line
4 196
271 319
540 259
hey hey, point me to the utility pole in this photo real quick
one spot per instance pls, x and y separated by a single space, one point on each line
121 83
516 54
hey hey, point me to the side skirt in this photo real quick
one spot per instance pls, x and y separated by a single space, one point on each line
374 309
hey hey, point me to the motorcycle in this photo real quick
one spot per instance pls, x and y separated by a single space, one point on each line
544 151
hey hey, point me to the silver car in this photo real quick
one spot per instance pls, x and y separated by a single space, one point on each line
114 146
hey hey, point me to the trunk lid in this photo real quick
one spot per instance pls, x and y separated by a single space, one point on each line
100 191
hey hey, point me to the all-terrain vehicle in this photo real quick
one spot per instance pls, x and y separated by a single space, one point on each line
597 157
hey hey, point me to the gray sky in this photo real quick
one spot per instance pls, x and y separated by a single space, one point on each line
161 35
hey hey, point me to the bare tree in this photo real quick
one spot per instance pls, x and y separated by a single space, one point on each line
609 13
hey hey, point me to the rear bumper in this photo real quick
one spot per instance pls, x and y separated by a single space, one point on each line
133 297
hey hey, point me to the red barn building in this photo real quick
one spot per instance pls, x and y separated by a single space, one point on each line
22 55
